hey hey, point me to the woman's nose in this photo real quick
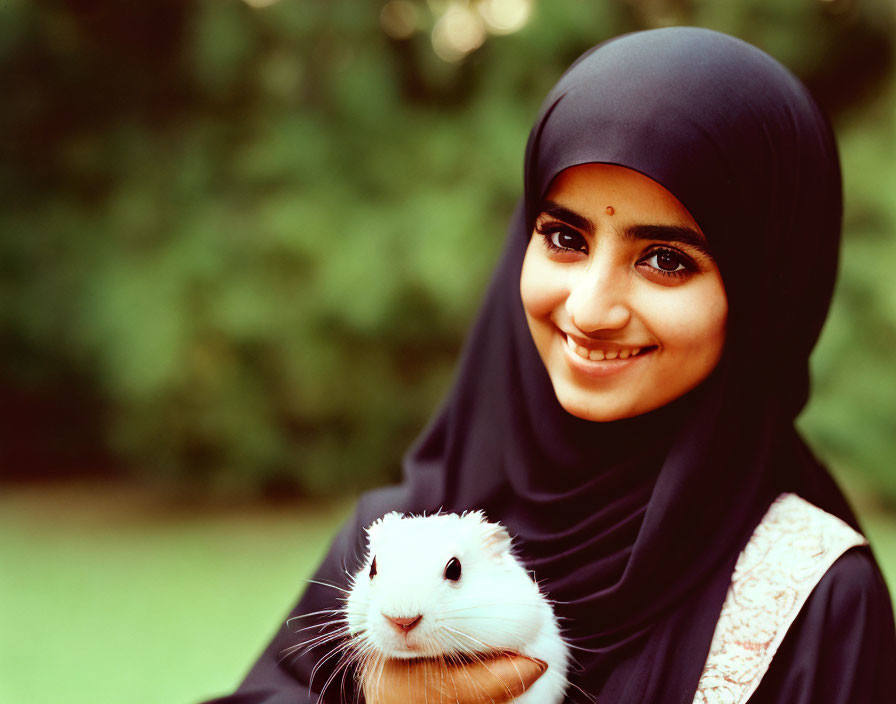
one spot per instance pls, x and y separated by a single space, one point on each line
597 301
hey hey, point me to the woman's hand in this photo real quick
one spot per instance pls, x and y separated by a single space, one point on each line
490 681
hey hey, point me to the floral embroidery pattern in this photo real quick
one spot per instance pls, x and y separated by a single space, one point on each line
789 552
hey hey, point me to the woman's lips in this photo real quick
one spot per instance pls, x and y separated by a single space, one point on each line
599 352
600 360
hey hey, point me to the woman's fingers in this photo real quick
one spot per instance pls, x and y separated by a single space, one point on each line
491 681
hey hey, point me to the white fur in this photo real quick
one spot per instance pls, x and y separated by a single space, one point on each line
494 605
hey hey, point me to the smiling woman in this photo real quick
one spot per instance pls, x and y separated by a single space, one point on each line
625 403
624 302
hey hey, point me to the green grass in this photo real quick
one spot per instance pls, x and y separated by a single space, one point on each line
108 595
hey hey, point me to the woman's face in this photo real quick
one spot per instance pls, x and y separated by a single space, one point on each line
624 302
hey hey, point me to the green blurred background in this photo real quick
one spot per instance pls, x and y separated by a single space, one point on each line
240 244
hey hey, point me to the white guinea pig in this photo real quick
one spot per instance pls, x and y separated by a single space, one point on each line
448 586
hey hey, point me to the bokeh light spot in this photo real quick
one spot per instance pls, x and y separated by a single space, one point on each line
399 19
457 33
505 16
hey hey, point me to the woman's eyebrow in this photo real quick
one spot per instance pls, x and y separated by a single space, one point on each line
679 234
570 217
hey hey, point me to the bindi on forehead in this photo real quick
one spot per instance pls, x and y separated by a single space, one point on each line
610 210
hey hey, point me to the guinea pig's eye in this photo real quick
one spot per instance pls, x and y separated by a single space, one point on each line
373 568
452 569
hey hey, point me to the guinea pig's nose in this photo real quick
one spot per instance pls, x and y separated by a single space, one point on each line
403 625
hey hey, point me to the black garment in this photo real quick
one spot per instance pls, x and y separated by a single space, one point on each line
634 526
840 649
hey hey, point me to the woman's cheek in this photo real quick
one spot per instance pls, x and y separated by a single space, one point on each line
541 288
693 321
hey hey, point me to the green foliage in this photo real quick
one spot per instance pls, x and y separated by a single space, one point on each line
851 417
259 234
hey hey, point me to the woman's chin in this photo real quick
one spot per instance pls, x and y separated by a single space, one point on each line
598 410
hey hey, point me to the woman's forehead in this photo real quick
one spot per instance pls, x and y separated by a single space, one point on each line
596 187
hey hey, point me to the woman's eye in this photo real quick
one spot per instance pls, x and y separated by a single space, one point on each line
561 239
667 261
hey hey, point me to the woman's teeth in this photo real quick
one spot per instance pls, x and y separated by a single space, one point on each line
600 355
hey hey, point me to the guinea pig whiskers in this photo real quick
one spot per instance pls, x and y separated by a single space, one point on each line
518 673
450 650
584 649
323 639
518 604
555 602
339 649
341 622
319 626
329 584
306 646
376 665
458 659
482 659
588 697
341 666
328 612
352 650
362 657
336 629
500 634
467 617
467 635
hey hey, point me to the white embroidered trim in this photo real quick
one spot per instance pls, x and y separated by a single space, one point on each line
789 552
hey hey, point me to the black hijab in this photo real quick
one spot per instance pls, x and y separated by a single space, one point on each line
634 526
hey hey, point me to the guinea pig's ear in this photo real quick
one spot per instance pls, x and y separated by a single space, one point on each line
493 536
374 527
496 539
